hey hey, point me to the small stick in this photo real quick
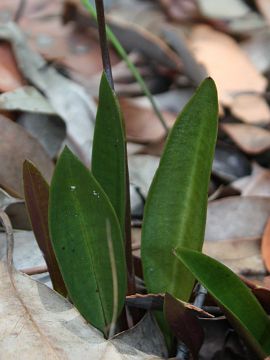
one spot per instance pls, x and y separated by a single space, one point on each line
35 270
103 41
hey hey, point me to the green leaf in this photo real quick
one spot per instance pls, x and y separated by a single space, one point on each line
78 212
109 150
36 193
234 297
175 212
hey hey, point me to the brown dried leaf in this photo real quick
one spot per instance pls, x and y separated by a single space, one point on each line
181 10
36 192
10 76
142 124
251 109
249 138
238 75
183 324
266 245
16 146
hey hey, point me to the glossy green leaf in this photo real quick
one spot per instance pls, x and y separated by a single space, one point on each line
240 305
109 150
78 212
175 212
36 193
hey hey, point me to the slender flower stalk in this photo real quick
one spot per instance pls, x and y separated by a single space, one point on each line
103 41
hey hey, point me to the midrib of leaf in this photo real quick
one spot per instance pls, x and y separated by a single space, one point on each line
86 236
188 200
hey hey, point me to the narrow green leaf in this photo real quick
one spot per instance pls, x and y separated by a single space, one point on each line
79 210
36 193
122 53
109 150
240 305
175 211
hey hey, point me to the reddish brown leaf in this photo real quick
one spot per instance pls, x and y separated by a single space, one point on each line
266 246
36 192
183 324
251 139
10 76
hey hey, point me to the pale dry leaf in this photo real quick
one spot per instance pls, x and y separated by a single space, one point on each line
257 48
251 109
213 49
26 98
37 323
223 9
237 217
249 138
256 184
69 100
243 256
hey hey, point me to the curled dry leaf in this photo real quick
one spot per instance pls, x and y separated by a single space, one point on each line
38 323
212 49
250 139
16 146
266 245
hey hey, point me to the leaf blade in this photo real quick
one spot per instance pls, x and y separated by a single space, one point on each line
240 305
175 211
79 204
36 193
109 150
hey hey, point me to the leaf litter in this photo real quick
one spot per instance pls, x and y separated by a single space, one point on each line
229 42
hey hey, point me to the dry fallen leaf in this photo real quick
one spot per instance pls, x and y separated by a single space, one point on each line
249 138
10 76
142 125
237 217
16 146
243 256
37 323
266 246
264 7
251 109
213 49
